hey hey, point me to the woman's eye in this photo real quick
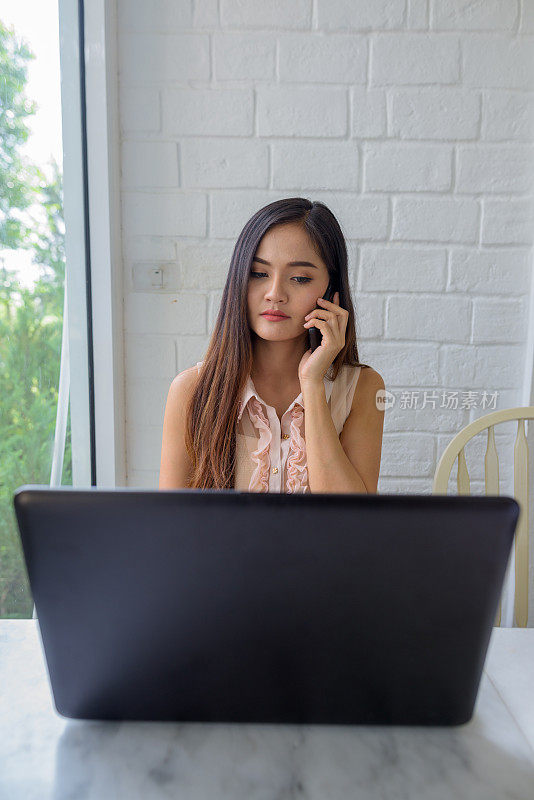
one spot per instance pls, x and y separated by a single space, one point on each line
299 279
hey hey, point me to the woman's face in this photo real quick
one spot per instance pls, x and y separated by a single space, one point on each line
279 285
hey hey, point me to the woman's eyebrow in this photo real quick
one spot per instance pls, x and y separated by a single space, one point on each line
289 263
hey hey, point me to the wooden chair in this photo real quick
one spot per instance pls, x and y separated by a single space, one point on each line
455 450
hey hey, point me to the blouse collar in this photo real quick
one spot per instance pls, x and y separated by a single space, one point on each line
250 391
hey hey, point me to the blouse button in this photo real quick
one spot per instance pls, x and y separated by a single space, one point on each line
275 470
285 436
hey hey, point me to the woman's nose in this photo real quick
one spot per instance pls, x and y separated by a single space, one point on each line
275 290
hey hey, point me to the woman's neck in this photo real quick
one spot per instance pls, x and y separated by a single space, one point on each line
277 362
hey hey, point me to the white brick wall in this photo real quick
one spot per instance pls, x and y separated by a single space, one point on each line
413 121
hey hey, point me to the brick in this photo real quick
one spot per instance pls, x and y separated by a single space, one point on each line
489 271
153 313
230 210
157 248
464 15
407 167
436 113
190 349
149 356
315 165
498 60
177 214
394 269
258 14
165 58
301 111
403 484
444 319
244 56
313 57
365 15
481 366
364 218
143 479
499 320
369 118
155 15
527 17
206 14
149 164
414 58
407 454
369 310
400 365
139 110
146 399
507 116
439 219
204 265
234 163
508 222
425 408
417 15
495 168
207 112
143 451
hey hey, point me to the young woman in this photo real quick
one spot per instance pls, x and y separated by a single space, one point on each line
260 413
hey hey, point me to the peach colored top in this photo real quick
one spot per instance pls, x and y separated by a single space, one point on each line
271 454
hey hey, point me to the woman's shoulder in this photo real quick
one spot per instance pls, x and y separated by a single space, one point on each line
348 374
371 377
369 382
350 370
186 380
357 381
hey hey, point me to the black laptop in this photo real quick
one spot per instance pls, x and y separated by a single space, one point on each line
229 606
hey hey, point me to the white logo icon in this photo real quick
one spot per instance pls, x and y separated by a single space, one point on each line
384 399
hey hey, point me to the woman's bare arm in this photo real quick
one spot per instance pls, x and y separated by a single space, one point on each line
176 466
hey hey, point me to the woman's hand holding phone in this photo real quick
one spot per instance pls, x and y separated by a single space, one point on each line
314 334
331 320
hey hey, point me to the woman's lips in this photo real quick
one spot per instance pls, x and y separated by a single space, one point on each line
274 317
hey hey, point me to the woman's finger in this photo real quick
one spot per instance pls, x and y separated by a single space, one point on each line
340 312
320 314
318 323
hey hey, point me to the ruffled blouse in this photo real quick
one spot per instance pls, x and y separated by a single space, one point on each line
271 453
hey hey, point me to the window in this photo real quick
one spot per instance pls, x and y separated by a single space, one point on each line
44 415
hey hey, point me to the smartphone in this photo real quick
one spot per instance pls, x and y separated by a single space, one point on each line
315 336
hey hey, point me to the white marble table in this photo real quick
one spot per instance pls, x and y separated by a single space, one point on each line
44 755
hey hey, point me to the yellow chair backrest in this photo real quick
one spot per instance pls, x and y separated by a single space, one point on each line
455 450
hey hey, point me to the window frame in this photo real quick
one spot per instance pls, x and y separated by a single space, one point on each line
90 129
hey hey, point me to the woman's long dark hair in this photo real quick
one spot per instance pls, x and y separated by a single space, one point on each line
210 436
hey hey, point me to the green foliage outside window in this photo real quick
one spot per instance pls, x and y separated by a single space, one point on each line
30 321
